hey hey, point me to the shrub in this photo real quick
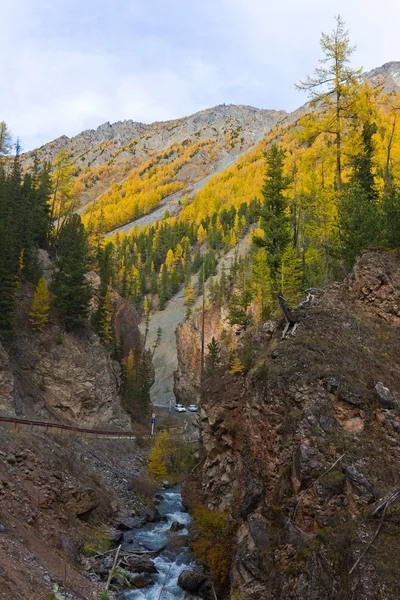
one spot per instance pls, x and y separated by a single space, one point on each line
211 543
144 486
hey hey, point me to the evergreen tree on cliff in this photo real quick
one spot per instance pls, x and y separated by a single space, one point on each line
274 219
71 289
358 206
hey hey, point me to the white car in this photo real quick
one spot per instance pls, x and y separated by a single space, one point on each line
180 408
193 407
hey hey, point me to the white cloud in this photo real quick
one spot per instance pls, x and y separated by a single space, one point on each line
72 65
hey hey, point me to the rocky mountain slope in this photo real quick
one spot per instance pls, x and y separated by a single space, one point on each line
302 451
58 376
176 156
388 75
59 492
105 156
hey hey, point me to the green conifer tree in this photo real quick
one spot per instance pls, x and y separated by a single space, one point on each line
358 206
274 219
71 289
213 359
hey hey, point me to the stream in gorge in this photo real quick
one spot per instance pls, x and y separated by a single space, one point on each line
174 556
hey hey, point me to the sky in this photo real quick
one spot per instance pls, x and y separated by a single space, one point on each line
71 65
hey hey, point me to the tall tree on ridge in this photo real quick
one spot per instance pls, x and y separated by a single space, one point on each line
333 90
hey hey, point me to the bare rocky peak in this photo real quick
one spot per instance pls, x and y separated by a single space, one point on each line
388 74
204 124
96 146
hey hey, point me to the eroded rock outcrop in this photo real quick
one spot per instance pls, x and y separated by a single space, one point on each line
302 449
66 376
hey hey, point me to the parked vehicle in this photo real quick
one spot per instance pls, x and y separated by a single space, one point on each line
193 407
180 408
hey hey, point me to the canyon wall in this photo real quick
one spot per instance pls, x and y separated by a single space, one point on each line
302 449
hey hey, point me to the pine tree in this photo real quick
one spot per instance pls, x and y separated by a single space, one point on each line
71 289
5 139
21 266
213 359
157 341
274 220
63 195
157 467
239 306
391 218
153 279
146 312
131 400
138 380
170 261
39 313
236 366
358 206
42 190
201 234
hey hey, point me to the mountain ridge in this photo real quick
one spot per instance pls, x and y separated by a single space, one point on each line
106 157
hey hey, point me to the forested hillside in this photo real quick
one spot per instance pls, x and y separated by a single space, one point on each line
319 187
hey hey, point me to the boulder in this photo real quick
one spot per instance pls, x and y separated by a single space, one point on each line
141 581
385 397
252 497
307 468
115 536
141 564
331 385
352 398
127 523
175 526
151 514
190 581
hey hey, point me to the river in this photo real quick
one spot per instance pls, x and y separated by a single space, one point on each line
173 559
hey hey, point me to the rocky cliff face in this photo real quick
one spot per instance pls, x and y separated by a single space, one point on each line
303 451
188 344
70 377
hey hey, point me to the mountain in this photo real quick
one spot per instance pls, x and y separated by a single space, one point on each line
178 156
388 75
105 156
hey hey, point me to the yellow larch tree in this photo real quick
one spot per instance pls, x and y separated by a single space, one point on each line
106 313
39 313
